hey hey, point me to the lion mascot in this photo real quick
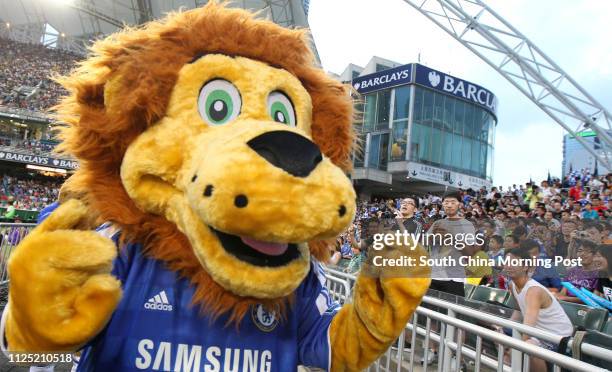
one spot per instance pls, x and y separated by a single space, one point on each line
217 151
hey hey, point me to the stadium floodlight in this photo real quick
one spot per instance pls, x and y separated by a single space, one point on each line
46 169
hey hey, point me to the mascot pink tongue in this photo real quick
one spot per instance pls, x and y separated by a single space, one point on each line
269 248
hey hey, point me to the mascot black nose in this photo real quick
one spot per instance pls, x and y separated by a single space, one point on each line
289 151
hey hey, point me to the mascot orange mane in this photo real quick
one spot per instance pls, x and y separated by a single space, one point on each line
217 151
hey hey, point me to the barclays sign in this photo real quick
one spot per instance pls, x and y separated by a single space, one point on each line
384 79
459 88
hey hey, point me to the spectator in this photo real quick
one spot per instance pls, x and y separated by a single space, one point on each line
412 223
598 207
450 278
546 276
537 305
10 211
584 276
603 262
477 272
564 237
496 252
588 213
576 191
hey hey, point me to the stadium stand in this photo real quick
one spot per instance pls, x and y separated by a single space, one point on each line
25 72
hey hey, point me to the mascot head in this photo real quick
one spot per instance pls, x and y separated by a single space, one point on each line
213 139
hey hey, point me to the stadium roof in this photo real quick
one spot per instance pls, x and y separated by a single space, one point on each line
75 22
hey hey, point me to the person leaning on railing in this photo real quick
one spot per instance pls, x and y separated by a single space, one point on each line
538 306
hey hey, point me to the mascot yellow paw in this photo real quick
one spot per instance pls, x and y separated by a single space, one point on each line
384 298
60 285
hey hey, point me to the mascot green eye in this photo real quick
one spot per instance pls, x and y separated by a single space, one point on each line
281 108
219 102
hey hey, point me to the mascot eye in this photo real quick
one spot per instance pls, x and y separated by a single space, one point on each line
219 102
281 108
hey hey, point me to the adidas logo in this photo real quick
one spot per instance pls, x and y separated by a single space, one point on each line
158 302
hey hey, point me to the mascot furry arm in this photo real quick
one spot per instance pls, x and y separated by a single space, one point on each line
217 150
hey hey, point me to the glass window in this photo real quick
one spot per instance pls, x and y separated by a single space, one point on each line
415 146
447 149
475 166
380 67
456 151
436 145
359 106
369 115
438 110
425 139
355 74
378 154
384 151
489 162
402 102
459 116
383 106
466 154
482 164
491 139
418 104
468 130
427 106
374 151
449 108
360 150
398 140
484 126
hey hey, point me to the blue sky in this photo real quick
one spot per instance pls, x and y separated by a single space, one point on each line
574 33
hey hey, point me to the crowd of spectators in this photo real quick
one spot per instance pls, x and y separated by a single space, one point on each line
28 193
569 218
34 146
26 71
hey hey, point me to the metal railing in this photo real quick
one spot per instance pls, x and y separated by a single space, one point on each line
339 289
489 349
10 235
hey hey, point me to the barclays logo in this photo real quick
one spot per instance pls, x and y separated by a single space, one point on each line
383 79
455 86
470 92
434 78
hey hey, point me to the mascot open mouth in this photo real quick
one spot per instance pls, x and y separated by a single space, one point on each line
257 252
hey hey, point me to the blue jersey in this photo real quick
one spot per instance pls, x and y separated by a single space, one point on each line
46 211
155 328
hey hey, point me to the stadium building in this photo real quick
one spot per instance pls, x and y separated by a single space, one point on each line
576 157
421 130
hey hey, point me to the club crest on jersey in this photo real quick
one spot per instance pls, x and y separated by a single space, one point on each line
263 319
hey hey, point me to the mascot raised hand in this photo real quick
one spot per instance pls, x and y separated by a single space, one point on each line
217 151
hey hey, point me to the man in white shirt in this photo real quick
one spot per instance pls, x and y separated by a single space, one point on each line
538 307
